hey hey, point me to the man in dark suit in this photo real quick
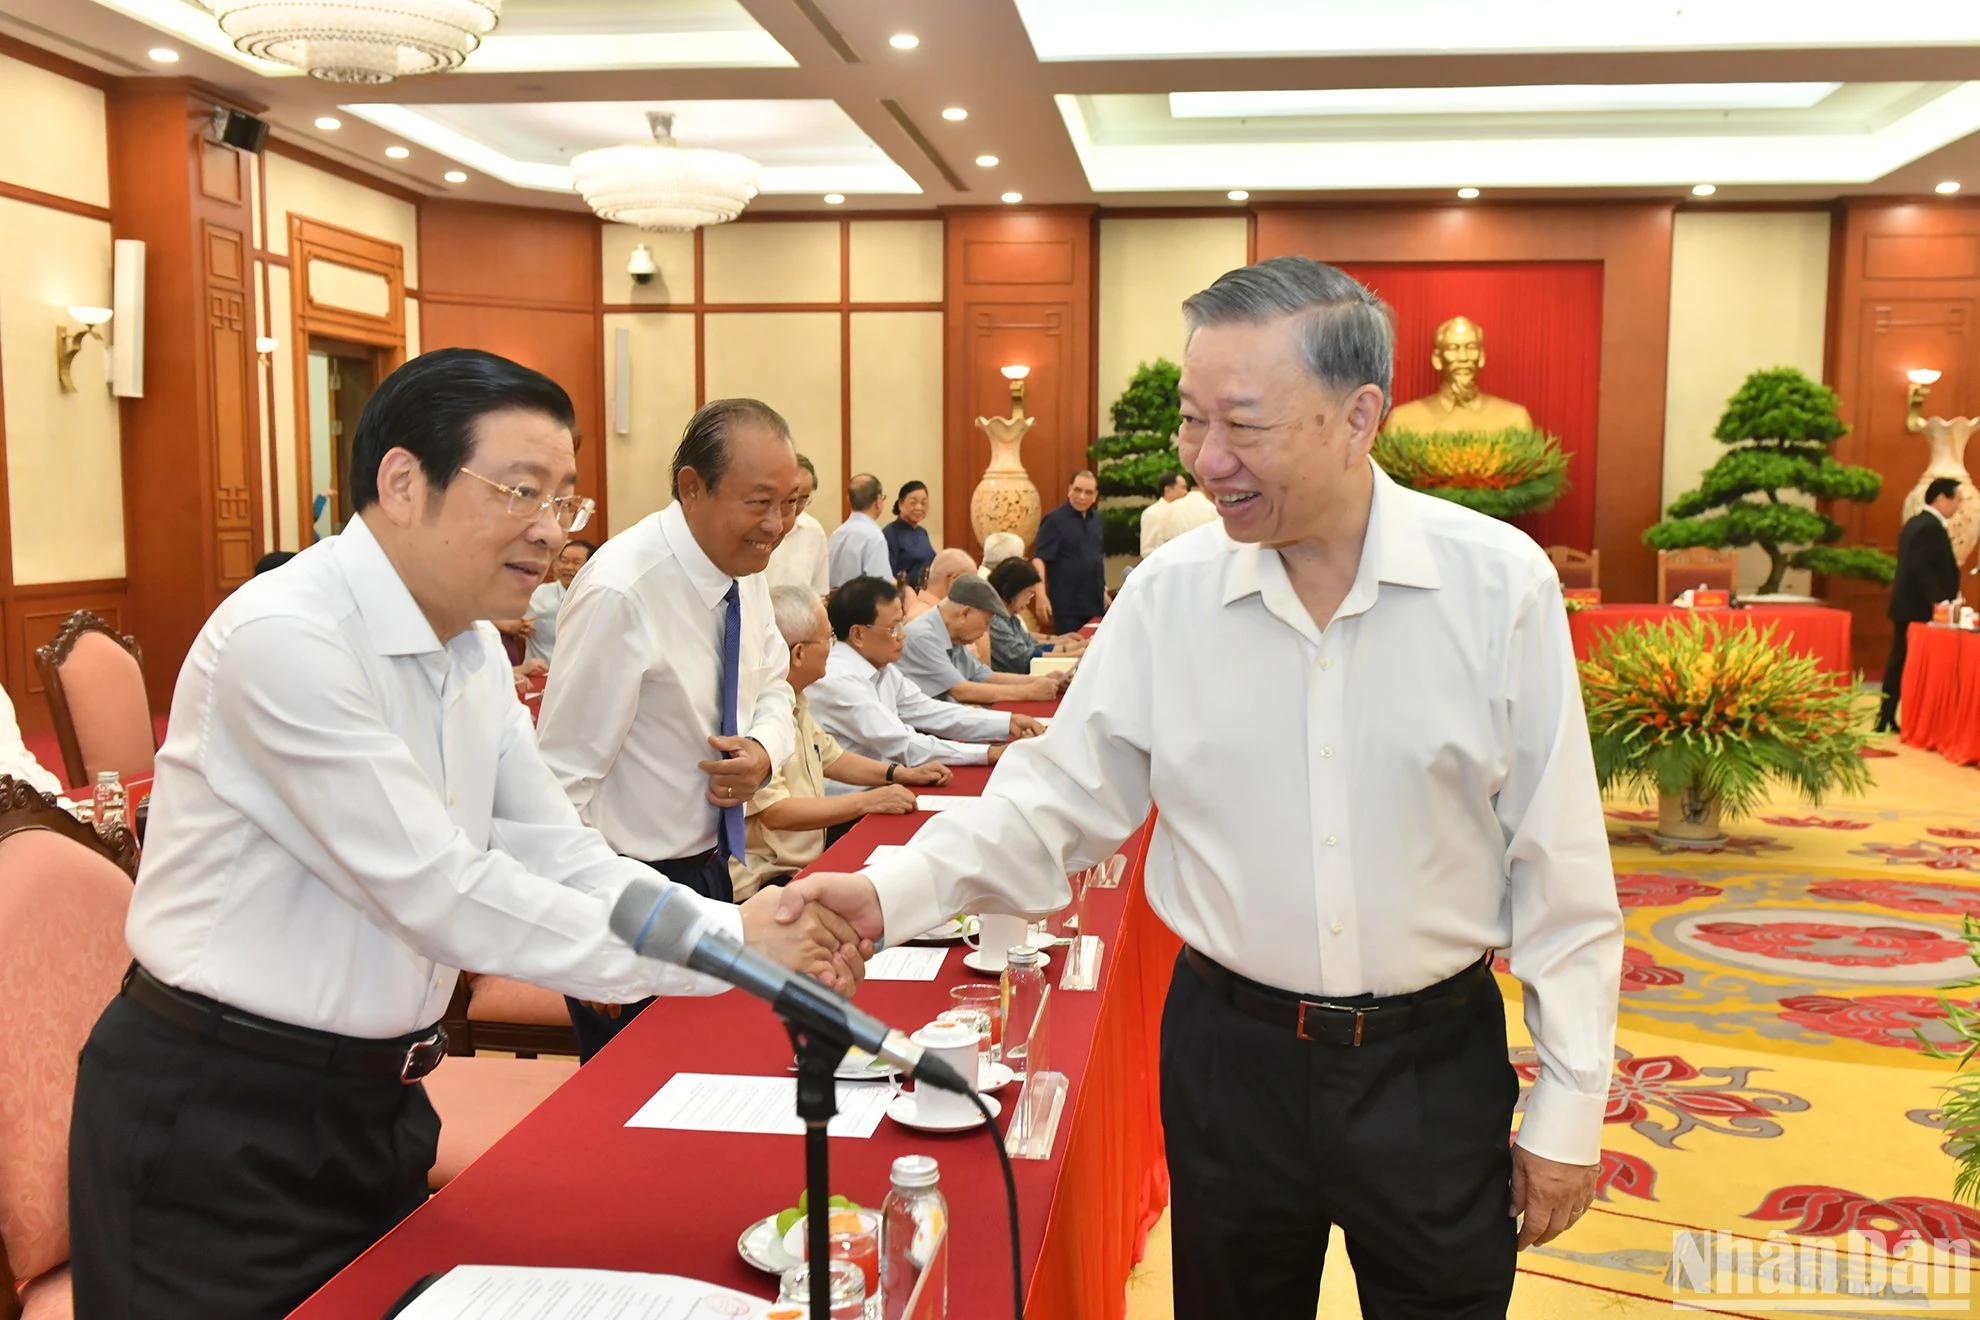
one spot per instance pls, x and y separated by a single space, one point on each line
1927 573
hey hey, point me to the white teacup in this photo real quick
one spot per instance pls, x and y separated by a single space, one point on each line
996 935
956 1045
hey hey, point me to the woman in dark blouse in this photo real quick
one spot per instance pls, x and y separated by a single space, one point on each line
1012 645
909 551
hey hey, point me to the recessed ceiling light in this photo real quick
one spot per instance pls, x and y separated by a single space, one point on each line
835 199
986 161
163 54
1703 189
1949 187
1467 193
1237 194
904 41
455 176
397 153
1013 197
329 123
955 114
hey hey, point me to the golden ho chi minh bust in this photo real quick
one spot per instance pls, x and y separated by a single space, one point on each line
1459 405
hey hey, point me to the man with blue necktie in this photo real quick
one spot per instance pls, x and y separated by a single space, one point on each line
670 703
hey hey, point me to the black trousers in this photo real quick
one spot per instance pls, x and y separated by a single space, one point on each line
207 1182
707 875
1887 710
1401 1142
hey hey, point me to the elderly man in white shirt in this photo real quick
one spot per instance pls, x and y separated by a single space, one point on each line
871 707
1180 510
858 548
800 559
670 705
1359 712
349 806
546 600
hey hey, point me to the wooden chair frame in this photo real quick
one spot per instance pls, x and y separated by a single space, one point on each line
525 1040
1690 558
1566 557
25 807
49 660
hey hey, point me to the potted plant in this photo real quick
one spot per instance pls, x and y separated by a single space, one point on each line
1705 716
1959 1113
1780 426
1133 461
1501 473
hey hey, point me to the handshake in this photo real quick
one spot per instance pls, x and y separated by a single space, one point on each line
823 925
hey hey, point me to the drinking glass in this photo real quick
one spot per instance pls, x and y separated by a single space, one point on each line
989 1001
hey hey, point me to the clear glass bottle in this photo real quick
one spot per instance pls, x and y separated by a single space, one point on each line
914 1238
108 806
1024 990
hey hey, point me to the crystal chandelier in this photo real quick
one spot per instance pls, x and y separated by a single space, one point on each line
358 41
662 184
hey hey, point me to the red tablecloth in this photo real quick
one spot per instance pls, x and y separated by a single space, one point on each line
572 1186
1941 710
1815 630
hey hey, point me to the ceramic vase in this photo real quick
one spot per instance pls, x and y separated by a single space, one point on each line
1005 500
1947 437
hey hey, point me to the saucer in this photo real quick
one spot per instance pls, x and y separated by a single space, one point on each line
762 1247
947 933
993 1077
975 961
902 1110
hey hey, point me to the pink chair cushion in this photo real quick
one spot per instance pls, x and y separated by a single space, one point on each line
107 703
49 1297
479 1099
62 957
498 999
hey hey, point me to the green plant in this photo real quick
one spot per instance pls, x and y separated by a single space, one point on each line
1131 463
1500 473
1691 706
1959 1113
1782 425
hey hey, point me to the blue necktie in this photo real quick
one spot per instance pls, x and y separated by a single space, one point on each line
732 817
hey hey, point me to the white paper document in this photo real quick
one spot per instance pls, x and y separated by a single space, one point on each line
906 963
520 1292
716 1102
940 801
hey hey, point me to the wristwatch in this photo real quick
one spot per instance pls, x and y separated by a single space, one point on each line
891 768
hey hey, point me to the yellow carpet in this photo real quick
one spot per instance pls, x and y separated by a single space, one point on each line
1769 1077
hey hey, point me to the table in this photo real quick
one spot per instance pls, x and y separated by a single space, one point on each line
1814 630
571 1186
1941 708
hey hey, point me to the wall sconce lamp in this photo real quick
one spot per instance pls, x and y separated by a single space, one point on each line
1922 379
264 348
1016 375
68 344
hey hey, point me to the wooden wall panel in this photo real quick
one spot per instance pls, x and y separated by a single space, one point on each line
1906 294
1020 291
523 284
1633 243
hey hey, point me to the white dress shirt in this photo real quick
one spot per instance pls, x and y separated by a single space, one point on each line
346 811
799 561
637 689
1364 808
858 548
16 759
544 603
881 713
1164 520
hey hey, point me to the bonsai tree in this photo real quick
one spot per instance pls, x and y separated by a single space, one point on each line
1133 461
1780 426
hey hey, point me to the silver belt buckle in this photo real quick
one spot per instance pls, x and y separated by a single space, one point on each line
1360 1018
422 1057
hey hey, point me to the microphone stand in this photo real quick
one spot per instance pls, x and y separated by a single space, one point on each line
817 1101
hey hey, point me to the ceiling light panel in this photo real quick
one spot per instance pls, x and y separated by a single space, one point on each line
1190 29
1546 99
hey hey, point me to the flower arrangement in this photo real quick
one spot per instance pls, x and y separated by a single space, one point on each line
1501 473
1689 708
1959 1113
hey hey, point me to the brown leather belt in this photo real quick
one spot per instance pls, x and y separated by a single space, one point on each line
1354 1021
406 1059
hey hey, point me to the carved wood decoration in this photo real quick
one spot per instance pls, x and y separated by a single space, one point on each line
24 807
49 660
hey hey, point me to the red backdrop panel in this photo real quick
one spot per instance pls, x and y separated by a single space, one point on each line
1543 348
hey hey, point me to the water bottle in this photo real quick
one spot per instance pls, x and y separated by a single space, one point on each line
914 1239
108 808
1024 990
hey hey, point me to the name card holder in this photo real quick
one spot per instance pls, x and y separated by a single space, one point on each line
1583 595
1711 600
1040 1104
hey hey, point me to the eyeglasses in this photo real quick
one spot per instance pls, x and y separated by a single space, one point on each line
898 629
572 512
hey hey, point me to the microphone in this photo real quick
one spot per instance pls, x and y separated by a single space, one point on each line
656 926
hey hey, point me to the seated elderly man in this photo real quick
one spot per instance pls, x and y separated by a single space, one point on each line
949 565
790 820
871 707
938 651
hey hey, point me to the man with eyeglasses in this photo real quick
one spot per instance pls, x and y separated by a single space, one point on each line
670 704
800 559
348 808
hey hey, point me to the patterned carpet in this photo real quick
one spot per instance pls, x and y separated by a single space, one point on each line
1769 1075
